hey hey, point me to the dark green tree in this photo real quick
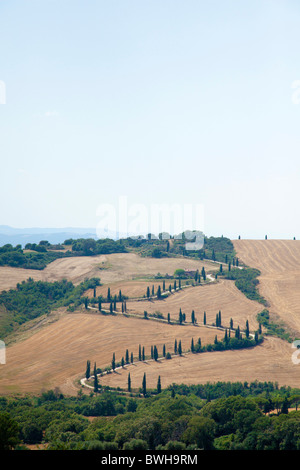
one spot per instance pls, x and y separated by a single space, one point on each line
129 383
155 353
9 432
88 370
158 385
144 385
96 383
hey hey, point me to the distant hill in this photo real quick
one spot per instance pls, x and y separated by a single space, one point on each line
21 236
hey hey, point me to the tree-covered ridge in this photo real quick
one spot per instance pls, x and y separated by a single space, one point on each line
32 298
214 248
37 256
248 416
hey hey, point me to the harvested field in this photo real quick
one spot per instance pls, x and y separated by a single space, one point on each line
270 361
279 264
56 355
210 298
110 268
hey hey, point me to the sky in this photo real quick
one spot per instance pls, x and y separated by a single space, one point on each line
194 103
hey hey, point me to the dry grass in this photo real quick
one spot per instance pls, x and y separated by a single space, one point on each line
110 268
279 283
270 361
56 355
210 298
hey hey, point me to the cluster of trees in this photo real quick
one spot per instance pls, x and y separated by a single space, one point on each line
32 298
91 247
233 416
42 253
17 258
246 281
162 245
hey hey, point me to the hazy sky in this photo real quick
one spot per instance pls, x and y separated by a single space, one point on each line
161 101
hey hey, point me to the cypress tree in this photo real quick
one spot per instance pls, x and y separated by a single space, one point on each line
122 362
193 317
192 346
96 384
152 290
86 302
226 336
170 289
140 353
164 285
88 370
143 353
204 318
169 318
144 385
99 305
179 348
216 339
158 385
231 323
127 356
94 292
113 362
148 292
151 352
180 317
175 285
158 292
175 346
131 357
221 268
122 307
108 294
155 353
247 329
220 319
164 350
129 383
